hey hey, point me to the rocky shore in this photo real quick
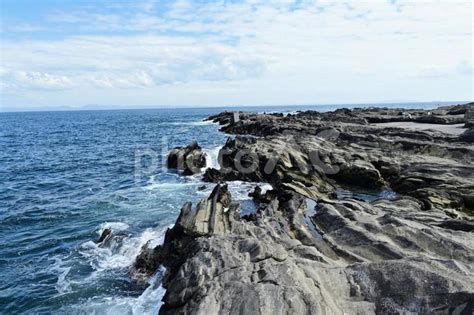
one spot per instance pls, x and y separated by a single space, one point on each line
362 217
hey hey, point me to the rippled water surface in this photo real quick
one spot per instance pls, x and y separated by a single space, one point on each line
65 176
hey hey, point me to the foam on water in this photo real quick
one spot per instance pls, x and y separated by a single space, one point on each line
212 158
190 123
238 189
170 181
114 226
167 186
149 302
62 285
116 253
120 250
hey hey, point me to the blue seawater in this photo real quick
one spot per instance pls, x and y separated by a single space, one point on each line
66 176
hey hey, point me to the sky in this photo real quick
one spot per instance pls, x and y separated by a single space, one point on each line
122 53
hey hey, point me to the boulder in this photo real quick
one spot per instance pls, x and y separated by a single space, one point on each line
190 159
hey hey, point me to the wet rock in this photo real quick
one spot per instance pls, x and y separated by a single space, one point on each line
146 264
105 235
190 159
260 197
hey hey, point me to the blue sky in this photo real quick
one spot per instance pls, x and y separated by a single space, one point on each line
66 53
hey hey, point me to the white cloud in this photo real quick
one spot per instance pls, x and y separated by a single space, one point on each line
20 80
124 62
318 51
129 81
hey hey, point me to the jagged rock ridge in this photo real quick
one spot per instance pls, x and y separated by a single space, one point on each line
306 251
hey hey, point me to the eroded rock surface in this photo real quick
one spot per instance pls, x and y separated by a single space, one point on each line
190 159
308 250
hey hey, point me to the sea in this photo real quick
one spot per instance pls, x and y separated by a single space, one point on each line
65 176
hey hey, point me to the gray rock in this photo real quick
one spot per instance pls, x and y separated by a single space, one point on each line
468 135
469 115
189 159
412 254
369 258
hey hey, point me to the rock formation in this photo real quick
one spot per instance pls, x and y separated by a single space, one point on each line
189 159
311 250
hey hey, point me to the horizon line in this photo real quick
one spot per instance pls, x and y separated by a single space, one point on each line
187 106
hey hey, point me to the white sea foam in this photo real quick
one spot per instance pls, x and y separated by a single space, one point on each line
149 302
212 157
120 250
239 189
114 226
62 284
167 186
170 181
265 187
190 123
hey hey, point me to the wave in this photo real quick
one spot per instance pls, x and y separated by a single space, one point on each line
149 302
238 189
120 250
212 160
190 123
167 186
114 226
62 285
171 181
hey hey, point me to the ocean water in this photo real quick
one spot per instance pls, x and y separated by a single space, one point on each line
66 176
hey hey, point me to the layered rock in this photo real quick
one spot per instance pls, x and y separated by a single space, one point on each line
350 257
318 152
307 250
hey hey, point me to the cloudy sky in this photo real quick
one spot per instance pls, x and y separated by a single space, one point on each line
168 53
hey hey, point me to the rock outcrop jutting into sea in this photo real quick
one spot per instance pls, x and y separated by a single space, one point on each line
320 242
189 159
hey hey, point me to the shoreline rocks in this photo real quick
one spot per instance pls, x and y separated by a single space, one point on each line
190 159
308 250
